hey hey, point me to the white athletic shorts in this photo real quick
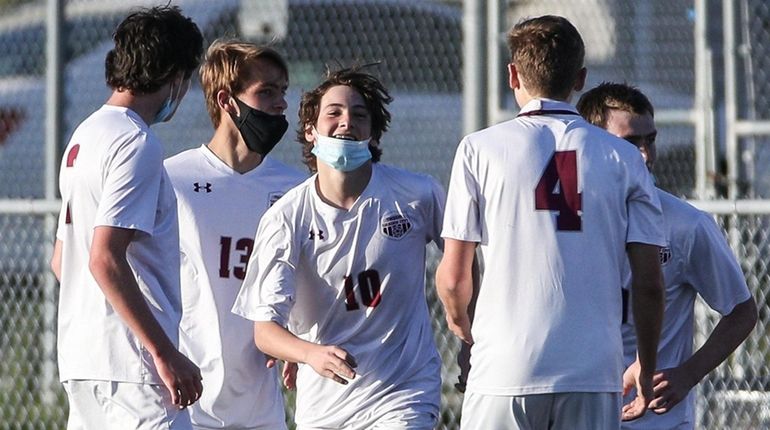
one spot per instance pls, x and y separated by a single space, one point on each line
558 411
408 419
96 405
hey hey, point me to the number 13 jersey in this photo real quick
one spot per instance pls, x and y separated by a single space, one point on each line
356 279
552 202
219 209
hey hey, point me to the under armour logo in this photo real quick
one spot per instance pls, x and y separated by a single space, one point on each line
314 234
198 187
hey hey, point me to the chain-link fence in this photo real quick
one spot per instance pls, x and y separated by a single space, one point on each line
419 47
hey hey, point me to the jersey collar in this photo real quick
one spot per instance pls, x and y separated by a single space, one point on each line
547 107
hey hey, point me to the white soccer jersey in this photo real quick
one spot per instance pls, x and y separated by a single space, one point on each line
552 202
695 260
356 279
112 175
219 210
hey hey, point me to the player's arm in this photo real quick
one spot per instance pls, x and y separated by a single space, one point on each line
672 385
454 284
111 270
329 361
647 300
56 259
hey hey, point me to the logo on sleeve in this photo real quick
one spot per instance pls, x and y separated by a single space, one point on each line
199 188
395 225
665 255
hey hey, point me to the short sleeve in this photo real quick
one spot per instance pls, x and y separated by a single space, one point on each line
645 216
438 201
131 185
461 216
712 268
268 290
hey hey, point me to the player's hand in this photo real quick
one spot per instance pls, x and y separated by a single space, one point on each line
270 361
181 377
644 393
461 327
670 386
289 375
332 362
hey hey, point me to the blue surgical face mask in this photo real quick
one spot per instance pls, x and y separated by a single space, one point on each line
169 106
343 155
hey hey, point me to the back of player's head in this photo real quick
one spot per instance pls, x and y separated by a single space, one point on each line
376 98
548 54
226 68
595 104
152 46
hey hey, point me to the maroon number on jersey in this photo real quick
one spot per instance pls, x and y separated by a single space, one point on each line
244 246
562 171
368 285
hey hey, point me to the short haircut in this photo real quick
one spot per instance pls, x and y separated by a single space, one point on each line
152 46
595 105
548 53
375 96
227 66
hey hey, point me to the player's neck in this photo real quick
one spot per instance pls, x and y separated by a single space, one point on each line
229 147
145 105
342 189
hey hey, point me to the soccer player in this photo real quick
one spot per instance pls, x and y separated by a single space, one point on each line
222 189
555 206
695 261
336 281
116 252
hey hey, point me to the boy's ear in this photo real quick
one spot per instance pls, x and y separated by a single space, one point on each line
513 77
580 82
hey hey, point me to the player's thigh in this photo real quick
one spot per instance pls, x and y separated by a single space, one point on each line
586 411
85 411
123 405
412 418
485 412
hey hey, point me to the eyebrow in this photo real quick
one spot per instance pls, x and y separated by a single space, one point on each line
358 106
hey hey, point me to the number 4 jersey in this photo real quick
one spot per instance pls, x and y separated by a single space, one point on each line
552 202
219 210
356 279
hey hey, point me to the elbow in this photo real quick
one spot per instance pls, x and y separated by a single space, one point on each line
56 268
748 314
99 264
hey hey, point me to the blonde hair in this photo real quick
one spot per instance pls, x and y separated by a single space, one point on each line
226 68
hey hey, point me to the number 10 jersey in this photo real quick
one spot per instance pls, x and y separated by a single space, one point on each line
356 279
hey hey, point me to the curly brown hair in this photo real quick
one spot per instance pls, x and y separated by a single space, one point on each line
152 46
375 96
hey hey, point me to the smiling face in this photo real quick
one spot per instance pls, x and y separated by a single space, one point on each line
637 129
342 114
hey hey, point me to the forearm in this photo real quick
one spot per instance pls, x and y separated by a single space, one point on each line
455 280
730 332
456 297
648 302
276 341
56 259
648 316
119 286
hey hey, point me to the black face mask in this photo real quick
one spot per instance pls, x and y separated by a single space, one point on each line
259 130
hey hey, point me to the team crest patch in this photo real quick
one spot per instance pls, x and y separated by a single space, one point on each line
665 255
395 225
273 197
